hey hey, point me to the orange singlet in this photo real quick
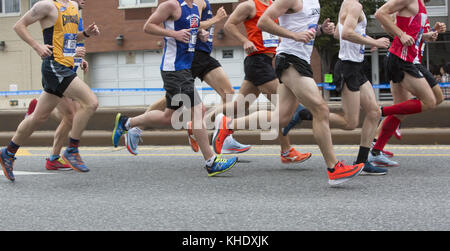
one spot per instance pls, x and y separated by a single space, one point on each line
264 41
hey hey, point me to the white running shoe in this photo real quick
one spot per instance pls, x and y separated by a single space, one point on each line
231 146
132 139
382 161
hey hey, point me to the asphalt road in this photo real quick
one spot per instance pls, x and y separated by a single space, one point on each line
166 188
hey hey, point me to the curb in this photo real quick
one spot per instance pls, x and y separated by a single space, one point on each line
410 136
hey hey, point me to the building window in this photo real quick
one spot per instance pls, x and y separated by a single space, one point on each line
437 8
131 4
32 2
9 7
227 54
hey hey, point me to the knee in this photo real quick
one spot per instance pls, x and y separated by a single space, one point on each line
351 124
439 100
429 103
374 114
92 105
320 112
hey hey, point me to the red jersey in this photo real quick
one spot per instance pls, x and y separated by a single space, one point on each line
418 59
413 26
264 41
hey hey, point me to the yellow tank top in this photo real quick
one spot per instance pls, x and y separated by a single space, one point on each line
63 35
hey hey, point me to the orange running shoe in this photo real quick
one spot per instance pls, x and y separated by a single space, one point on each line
295 156
343 173
191 137
221 132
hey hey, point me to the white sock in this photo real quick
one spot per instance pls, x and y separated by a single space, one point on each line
127 124
210 162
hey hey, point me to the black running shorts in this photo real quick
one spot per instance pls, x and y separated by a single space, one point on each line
258 69
202 64
396 68
283 61
56 77
349 73
180 88
428 75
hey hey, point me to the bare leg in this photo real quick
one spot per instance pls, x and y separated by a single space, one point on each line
66 109
81 92
47 102
307 93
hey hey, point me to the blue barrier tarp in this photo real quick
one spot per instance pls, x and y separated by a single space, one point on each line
326 86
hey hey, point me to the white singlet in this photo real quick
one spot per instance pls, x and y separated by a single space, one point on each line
350 51
299 22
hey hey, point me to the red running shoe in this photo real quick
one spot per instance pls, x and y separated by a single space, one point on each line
221 133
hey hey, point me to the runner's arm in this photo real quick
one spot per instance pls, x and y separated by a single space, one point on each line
242 13
38 12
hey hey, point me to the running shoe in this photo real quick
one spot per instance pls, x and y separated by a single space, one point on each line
119 128
221 133
57 164
398 133
221 165
132 139
31 107
369 169
294 121
192 142
73 159
386 153
382 161
231 146
295 156
343 173
7 163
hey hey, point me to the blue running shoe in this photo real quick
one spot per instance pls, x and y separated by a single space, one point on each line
73 158
132 139
294 120
119 128
7 163
370 169
220 166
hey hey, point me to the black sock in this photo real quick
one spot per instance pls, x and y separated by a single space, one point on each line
375 152
74 143
12 148
305 114
363 154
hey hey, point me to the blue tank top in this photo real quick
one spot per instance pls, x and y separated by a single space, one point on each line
206 15
177 55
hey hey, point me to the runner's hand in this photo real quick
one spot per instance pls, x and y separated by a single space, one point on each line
84 66
93 30
406 39
304 37
203 35
249 47
440 27
328 27
383 42
44 50
221 13
183 35
80 52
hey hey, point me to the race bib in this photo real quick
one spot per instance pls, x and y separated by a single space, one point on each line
70 44
193 40
270 40
211 34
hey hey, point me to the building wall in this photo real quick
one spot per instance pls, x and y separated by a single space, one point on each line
19 64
